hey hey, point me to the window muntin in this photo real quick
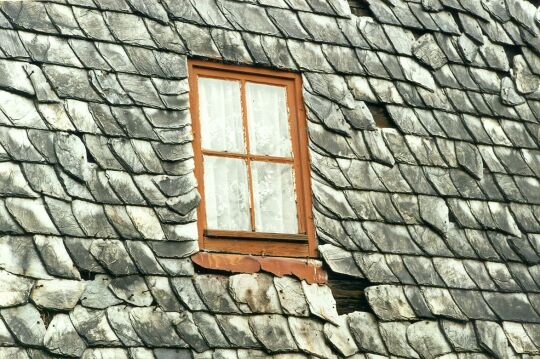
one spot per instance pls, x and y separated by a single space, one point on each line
268 122
226 193
220 114
251 162
274 197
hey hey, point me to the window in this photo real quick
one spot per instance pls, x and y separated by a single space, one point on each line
251 161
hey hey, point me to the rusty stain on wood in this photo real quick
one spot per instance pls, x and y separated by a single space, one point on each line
309 270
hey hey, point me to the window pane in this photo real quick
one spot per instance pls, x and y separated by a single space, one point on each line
268 121
226 193
275 197
221 115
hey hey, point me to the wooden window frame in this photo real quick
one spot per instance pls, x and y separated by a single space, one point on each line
301 245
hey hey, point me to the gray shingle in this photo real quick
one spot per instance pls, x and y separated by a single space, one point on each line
237 330
119 219
441 303
291 296
14 78
120 322
25 323
518 338
57 294
309 56
460 335
188 331
491 335
31 215
340 337
427 339
512 307
273 332
213 291
55 257
132 289
309 336
472 304
394 335
112 255
427 51
340 260
97 295
184 10
422 269
31 16
254 293
380 296
92 23
365 331
248 17
453 273
14 352
417 302
79 249
70 82
17 289
93 326
140 90
288 23
128 28
231 45
61 337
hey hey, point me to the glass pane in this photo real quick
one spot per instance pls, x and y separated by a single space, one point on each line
268 121
275 197
221 115
226 193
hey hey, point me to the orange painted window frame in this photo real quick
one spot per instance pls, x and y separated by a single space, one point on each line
302 245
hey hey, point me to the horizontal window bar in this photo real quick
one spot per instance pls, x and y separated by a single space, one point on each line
251 157
256 235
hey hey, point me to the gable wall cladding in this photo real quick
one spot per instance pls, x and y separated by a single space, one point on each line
441 214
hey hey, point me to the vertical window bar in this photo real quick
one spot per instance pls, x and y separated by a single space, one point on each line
248 160
297 158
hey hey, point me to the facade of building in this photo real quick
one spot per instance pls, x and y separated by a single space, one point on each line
407 167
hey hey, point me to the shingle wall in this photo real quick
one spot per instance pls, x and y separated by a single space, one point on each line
441 214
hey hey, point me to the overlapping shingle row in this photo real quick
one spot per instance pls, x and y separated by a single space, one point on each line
440 214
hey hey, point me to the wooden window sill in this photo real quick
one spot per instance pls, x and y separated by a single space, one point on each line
310 270
258 244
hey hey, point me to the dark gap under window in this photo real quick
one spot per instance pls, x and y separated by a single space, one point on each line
89 157
451 217
455 15
381 116
512 50
417 32
359 7
87 275
348 292
202 270
46 316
